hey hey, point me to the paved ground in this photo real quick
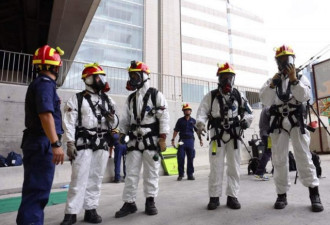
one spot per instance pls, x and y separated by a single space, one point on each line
185 202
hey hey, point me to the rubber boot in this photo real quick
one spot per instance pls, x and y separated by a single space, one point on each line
69 219
127 208
233 203
91 216
315 199
281 201
214 203
150 206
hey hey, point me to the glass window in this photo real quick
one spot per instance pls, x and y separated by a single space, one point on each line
114 37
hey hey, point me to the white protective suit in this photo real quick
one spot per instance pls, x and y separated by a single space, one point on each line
217 162
280 140
135 159
89 166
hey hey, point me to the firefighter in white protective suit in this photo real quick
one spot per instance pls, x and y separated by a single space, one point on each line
286 94
89 118
146 121
228 113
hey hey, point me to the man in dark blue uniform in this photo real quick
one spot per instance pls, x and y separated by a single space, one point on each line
186 126
120 151
41 143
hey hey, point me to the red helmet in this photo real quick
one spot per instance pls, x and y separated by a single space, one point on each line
138 66
185 107
91 69
47 56
284 50
225 68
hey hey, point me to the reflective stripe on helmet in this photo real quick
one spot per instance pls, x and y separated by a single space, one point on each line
46 55
137 66
91 69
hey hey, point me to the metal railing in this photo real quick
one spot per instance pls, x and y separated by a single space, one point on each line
16 68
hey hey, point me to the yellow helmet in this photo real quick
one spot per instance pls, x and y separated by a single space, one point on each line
186 106
284 50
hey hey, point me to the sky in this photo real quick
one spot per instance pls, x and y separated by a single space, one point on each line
302 24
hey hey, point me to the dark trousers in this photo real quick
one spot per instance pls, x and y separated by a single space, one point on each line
186 149
38 179
120 150
264 158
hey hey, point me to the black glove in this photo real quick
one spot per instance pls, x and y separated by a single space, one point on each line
244 124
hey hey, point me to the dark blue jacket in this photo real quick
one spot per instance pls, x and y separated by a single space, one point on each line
41 97
185 128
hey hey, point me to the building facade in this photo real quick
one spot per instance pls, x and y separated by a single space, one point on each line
181 41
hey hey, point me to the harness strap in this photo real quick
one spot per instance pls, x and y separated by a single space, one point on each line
88 146
232 132
279 117
150 92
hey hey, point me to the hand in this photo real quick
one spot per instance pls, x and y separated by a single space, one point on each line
110 117
243 124
71 150
173 143
58 155
200 130
162 144
275 80
291 70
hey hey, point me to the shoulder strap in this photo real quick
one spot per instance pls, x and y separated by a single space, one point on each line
88 98
213 95
150 92
237 96
107 100
80 96
241 107
130 97
154 93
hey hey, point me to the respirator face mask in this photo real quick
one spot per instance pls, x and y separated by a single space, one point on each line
226 82
135 80
284 61
98 82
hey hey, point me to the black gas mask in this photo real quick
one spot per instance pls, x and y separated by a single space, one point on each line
226 82
135 80
283 62
100 83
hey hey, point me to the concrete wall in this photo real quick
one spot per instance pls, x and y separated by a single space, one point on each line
12 99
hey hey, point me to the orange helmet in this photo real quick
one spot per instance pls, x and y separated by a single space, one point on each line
138 66
186 106
48 56
225 68
284 50
91 69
